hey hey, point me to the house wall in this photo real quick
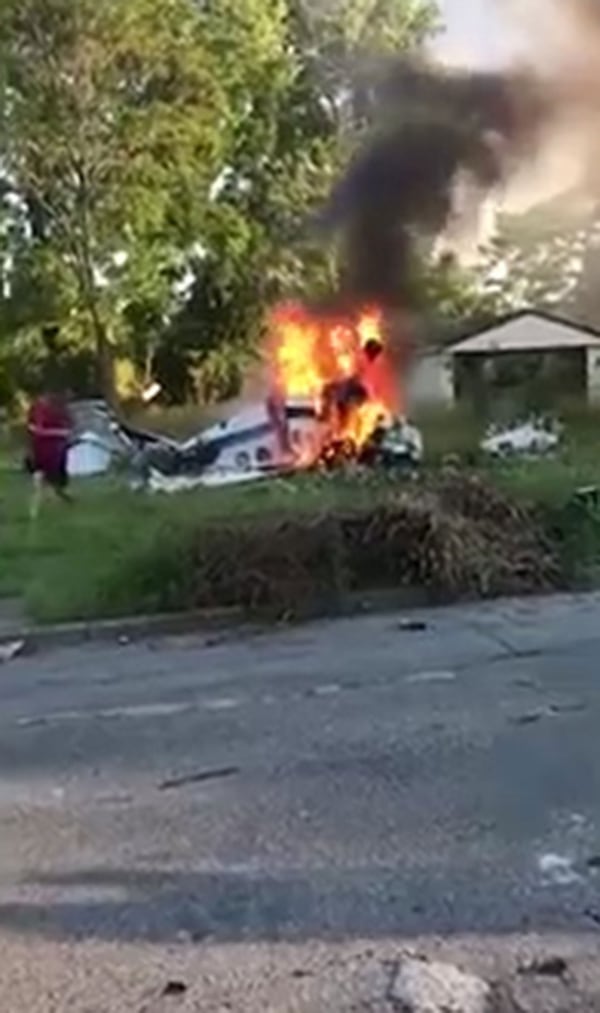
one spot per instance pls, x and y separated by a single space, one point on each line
431 382
593 375
507 383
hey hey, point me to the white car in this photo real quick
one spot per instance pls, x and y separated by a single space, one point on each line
534 437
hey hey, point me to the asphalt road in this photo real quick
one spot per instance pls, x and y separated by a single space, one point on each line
266 821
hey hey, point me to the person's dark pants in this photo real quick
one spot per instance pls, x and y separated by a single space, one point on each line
51 472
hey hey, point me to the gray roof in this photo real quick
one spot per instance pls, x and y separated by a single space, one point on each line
526 332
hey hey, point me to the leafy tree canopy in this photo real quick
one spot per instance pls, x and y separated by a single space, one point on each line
160 159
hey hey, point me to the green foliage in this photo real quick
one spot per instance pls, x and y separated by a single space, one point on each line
453 301
116 120
74 562
161 160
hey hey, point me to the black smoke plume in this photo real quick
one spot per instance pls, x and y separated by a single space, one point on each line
433 124
401 184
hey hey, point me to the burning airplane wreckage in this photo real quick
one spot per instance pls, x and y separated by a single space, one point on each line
332 401
331 395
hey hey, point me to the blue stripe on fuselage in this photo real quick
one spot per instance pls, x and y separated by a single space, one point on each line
293 413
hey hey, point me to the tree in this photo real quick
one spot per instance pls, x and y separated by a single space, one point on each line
115 119
163 158
556 273
281 165
452 299
544 259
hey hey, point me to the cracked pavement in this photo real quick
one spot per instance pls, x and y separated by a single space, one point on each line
270 821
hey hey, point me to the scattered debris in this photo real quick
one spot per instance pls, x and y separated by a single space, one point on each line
102 439
412 626
248 448
217 641
549 967
38 722
558 870
553 710
586 497
525 684
199 778
331 689
425 677
173 989
171 485
329 404
419 986
527 719
576 707
222 703
157 462
243 448
11 650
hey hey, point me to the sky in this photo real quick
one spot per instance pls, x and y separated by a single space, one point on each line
479 35
477 32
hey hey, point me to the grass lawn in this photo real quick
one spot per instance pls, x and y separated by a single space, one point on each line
64 566
59 563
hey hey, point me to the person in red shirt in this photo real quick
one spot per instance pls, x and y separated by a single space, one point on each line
49 428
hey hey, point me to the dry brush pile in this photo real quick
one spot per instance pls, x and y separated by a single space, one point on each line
456 536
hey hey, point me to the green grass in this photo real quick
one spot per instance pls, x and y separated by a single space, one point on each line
449 433
62 565
551 482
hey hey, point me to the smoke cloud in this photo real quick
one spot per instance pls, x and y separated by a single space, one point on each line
435 125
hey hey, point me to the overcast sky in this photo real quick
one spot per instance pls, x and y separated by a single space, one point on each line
475 31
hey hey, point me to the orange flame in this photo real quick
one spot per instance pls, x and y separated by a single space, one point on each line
307 354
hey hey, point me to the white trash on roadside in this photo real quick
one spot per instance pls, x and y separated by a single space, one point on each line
424 987
11 650
535 437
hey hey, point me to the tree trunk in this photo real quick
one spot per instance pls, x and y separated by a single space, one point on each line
105 367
